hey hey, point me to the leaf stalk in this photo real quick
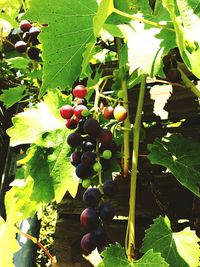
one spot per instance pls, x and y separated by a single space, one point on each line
132 17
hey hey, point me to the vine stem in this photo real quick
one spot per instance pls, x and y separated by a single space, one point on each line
127 124
132 17
35 241
7 41
189 84
130 232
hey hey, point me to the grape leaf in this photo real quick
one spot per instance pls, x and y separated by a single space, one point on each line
19 62
185 15
178 249
49 166
18 206
115 256
12 95
8 243
30 124
151 259
147 44
159 43
106 7
181 157
70 29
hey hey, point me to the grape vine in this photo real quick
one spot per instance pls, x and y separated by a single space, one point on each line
70 78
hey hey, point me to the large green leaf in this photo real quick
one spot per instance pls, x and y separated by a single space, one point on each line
115 255
181 157
70 29
185 15
12 95
8 243
30 124
178 249
49 166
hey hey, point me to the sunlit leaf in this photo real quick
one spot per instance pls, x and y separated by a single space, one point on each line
178 249
70 29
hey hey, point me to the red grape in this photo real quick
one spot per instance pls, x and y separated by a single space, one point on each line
66 111
25 25
80 91
78 111
107 112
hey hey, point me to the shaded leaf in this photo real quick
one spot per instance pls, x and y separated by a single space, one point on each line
19 62
49 166
12 95
178 249
181 157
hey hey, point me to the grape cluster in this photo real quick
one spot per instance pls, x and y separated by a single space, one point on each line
74 115
92 145
92 150
29 40
95 215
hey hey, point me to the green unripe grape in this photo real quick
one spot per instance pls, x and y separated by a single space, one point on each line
107 154
85 113
86 183
97 167
120 94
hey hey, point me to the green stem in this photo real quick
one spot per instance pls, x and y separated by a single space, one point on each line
127 123
130 233
108 97
189 84
132 17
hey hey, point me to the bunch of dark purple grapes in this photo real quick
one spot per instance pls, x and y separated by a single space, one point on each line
29 40
96 215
